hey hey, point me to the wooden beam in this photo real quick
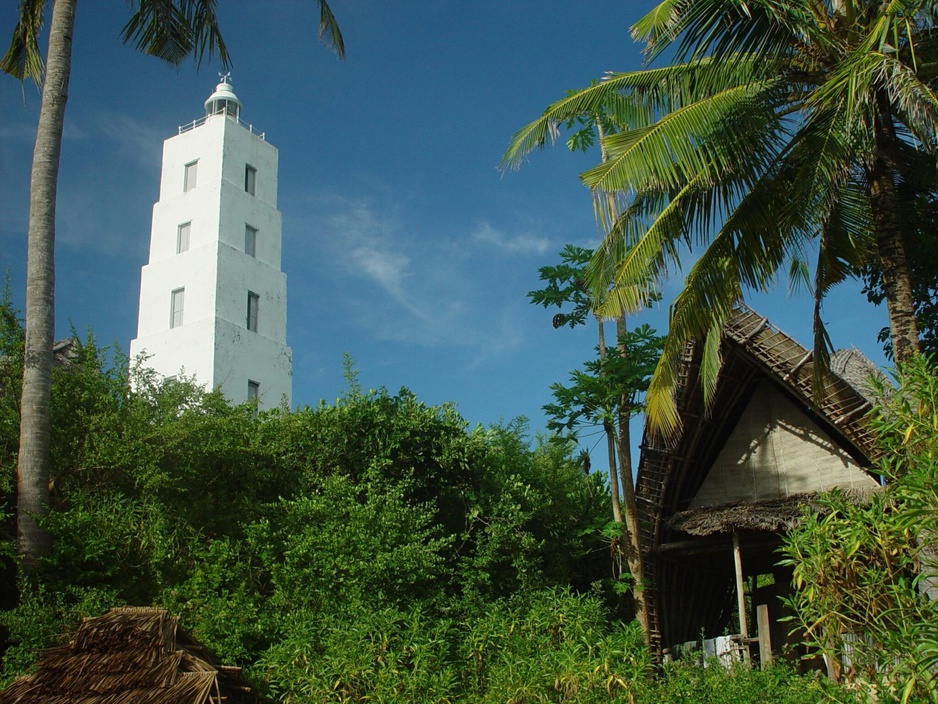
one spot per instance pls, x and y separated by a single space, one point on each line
740 595
765 636
717 542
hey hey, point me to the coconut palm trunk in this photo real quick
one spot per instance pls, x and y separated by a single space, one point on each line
33 469
632 546
897 282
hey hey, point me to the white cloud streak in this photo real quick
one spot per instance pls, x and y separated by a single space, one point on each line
521 243
434 289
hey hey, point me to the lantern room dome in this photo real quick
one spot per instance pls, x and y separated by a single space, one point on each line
223 101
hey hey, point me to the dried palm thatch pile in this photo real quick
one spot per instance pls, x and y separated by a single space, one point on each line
130 656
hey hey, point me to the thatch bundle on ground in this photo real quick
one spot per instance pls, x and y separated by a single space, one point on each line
130 656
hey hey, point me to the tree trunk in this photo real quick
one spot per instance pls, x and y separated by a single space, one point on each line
610 441
897 282
632 538
33 471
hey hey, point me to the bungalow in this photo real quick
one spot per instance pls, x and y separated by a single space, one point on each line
715 499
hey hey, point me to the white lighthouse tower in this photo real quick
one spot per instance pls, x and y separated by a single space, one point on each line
213 300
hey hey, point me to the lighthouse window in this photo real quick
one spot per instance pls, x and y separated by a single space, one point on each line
250 241
254 302
182 238
254 391
191 175
178 302
250 178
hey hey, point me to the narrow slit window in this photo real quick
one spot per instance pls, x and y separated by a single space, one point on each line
254 302
178 304
250 241
250 179
182 238
191 175
254 391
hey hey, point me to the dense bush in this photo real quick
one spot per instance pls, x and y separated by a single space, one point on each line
375 549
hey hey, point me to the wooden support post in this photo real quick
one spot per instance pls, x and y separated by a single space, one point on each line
740 595
765 636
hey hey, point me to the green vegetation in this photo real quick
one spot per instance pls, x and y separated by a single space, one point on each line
376 549
863 568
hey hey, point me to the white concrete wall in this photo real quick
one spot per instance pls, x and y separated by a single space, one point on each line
242 355
213 343
238 274
181 351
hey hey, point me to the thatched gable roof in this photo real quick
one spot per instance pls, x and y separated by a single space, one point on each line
685 484
130 656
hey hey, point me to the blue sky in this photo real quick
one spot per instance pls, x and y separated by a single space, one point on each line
402 243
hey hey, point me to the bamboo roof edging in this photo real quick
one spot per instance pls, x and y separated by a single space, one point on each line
671 469
130 655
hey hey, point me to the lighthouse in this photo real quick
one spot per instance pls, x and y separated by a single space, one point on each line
213 299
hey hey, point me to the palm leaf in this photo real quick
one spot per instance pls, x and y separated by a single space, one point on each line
23 58
171 31
329 29
634 99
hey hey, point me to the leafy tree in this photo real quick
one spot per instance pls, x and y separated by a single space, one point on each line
11 376
168 30
605 394
779 126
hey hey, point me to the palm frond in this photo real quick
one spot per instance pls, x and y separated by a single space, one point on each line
711 360
846 241
329 29
625 269
660 408
172 32
767 28
207 38
23 59
633 99
686 142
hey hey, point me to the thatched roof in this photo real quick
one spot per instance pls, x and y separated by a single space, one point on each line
130 656
772 515
856 369
763 435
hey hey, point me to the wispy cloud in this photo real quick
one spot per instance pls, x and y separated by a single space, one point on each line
518 243
369 246
133 140
427 288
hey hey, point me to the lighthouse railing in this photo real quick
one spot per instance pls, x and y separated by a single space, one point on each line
201 121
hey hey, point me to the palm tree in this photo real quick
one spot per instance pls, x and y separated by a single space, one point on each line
168 30
782 127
